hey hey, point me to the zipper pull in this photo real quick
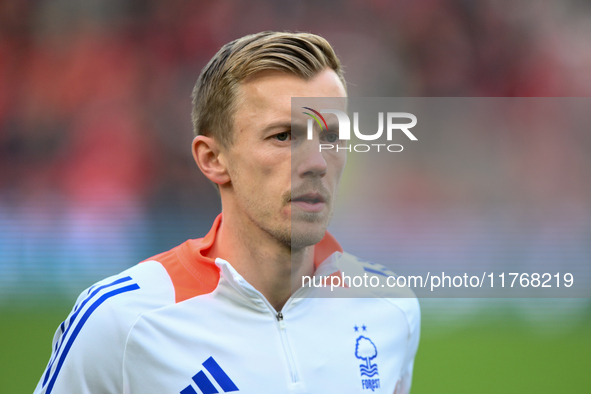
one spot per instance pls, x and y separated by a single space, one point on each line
280 320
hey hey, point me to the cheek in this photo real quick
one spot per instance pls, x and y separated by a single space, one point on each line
268 170
275 163
336 162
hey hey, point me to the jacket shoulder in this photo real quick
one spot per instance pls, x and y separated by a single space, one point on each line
88 346
381 284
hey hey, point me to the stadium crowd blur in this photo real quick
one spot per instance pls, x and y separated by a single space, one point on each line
95 166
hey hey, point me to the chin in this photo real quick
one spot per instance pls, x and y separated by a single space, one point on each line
305 235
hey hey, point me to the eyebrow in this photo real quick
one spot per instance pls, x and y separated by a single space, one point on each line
278 125
287 125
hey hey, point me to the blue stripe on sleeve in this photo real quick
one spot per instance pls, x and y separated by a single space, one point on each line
375 271
219 375
77 310
80 324
204 384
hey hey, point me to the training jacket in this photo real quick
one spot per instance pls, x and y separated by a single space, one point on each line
181 322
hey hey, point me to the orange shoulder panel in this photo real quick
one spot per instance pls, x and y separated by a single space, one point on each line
191 272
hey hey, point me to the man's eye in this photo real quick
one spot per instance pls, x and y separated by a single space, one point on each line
285 136
331 137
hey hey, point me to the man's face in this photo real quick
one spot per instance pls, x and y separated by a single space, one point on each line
280 182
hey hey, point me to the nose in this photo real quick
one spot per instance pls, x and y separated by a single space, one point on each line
309 160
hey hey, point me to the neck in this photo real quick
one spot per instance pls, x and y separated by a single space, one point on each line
271 267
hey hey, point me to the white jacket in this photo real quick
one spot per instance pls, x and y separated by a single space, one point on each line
183 323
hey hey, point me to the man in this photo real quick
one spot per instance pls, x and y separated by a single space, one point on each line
217 314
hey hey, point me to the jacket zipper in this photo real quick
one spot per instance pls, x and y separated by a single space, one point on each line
286 348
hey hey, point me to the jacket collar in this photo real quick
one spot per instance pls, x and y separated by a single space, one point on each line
322 250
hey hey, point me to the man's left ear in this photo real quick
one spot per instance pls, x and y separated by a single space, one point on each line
206 152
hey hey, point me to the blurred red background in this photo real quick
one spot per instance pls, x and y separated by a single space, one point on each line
95 165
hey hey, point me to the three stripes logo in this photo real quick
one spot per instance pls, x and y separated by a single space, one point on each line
205 385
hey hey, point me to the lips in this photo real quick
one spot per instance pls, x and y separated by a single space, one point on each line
309 202
309 198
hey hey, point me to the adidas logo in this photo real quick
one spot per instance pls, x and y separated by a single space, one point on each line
205 385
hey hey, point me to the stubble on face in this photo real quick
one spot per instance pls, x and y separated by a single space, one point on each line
257 208
308 228
301 229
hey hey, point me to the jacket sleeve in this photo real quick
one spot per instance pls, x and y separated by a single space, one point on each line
413 314
87 349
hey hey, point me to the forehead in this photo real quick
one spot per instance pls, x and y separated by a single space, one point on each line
266 96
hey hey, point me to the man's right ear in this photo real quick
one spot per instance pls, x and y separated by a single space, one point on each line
206 152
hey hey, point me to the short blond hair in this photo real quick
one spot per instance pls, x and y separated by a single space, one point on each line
214 94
